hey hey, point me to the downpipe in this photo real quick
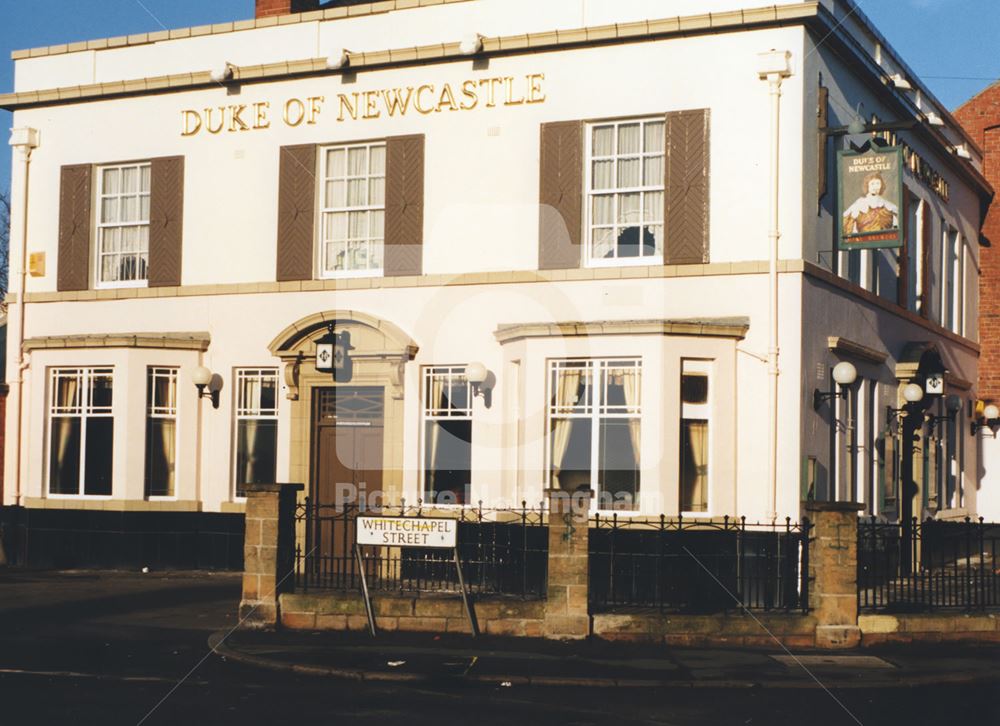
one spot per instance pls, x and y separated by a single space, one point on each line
773 66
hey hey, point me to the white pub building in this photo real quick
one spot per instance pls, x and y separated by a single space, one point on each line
579 243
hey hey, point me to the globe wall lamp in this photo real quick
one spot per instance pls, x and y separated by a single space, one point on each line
202 379
990 419
844 374
478 377
913 393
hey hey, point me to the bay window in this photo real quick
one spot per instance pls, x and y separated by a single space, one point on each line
694 449
161 431
594 428
81 431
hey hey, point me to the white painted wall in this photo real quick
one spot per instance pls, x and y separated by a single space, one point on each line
481 188
481 214
400 29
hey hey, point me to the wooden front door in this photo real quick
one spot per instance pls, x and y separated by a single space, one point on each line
347 443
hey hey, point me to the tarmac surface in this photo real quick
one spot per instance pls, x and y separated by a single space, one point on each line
416 657
131 648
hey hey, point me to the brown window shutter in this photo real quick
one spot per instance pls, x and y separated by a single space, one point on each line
166 218
404 205
685 214
560 195
74 227
296 212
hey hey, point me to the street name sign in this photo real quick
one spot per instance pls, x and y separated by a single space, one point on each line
407 532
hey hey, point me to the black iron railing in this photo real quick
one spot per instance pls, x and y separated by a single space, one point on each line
935 565
698 566
502 552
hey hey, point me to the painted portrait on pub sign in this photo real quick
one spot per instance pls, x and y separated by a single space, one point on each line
870 192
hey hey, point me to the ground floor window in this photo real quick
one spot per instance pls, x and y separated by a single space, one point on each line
447 413
161 431
81 434
694 446
594 428
256 427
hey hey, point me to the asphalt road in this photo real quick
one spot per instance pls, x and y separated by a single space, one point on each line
120 648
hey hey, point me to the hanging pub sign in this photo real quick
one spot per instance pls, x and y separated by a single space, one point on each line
869 197
333 354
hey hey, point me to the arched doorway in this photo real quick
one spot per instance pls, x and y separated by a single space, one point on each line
347 434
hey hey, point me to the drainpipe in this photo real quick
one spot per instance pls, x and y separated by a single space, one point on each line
773 66
24 140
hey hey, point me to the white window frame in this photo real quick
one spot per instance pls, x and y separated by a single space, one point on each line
100 226
594 410
430 414
589 193
947 286
698 412
325 208
250 410
84 410
167 412
958 292
915 253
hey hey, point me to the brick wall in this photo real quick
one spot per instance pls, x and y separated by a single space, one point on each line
981 118
267 8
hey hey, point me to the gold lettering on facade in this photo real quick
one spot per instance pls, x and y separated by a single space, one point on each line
470 95
535 93
315 104
447 98
510 100
295 111
209 127
350 105
417 105
260 120
371 105
365 105
490 84
396 101
191 122
236 122
918 165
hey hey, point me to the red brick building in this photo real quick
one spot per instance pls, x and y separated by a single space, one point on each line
980 116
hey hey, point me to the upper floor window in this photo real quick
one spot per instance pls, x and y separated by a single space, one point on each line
625 187
82 430
123 225
352 213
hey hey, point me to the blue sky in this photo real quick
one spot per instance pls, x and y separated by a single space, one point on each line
951 44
